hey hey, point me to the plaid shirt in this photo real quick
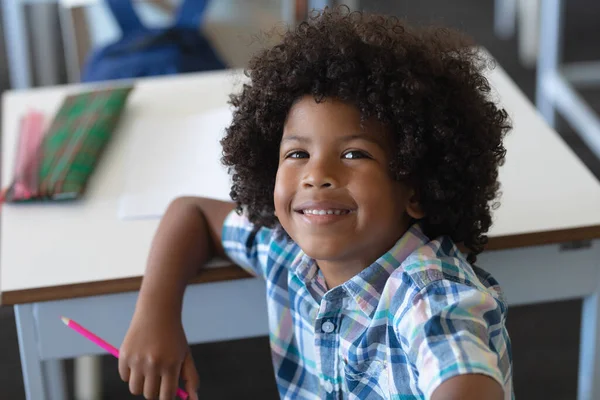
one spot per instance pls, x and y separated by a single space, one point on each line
417 316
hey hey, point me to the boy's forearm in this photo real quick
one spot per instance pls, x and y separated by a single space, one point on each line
184 242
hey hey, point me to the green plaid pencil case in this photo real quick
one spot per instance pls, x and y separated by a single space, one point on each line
71 147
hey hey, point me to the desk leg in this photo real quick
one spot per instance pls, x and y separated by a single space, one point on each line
43 380
31 365
505 16
55 379
528 15
589 349
548 56
88 378
17 40
44 40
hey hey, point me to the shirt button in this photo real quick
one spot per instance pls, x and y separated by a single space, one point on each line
328 327
328 386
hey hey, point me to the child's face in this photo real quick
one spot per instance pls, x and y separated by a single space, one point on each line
334 194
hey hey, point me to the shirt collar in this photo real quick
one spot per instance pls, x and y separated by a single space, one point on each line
367 286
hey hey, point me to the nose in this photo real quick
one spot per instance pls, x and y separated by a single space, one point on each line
319 174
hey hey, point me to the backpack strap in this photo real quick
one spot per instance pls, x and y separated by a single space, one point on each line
190 14
126 17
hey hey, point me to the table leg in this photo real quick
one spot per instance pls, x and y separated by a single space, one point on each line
17 39
43 380
44 41
589 349
548 55
528 16
55 379
505 16
88 378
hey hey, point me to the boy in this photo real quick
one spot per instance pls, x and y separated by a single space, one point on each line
362 152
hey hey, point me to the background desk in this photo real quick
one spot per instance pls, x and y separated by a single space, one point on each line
90 270
221 24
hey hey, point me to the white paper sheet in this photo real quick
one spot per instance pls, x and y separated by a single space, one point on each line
169 158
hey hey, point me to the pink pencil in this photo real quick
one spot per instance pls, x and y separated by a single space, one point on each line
106 346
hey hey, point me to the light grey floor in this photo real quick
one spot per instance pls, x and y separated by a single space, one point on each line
545 362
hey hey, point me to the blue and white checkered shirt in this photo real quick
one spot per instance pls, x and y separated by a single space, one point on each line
417 316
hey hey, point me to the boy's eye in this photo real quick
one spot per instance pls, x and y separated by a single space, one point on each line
297 154
352 154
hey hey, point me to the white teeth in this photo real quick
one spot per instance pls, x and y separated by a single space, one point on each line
326 212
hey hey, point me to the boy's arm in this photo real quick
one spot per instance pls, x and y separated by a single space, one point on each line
155 353
188 236
447 332
469 387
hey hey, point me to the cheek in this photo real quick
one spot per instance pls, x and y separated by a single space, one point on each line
282 193
379 196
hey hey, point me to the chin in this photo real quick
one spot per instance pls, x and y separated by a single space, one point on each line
323 251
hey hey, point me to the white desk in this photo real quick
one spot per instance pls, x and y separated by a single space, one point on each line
79 260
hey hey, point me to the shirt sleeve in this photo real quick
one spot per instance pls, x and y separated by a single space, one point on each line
245 244
448 330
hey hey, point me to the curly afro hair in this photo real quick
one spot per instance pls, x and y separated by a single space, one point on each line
425 84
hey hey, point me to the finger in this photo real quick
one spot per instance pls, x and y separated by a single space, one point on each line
168 385
151 386
190 376
124 370
136 382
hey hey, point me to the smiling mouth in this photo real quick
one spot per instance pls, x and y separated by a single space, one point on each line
324 212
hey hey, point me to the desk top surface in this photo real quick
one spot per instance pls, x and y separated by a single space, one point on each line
52 251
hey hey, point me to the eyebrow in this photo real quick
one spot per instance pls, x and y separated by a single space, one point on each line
347 138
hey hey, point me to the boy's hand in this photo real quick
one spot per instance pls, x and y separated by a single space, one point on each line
153 356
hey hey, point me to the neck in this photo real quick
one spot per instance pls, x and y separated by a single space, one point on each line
338 272
341 270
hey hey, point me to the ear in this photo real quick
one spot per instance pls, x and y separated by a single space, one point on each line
413 206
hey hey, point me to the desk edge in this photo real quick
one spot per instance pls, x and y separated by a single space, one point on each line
233 272
543 238
86 289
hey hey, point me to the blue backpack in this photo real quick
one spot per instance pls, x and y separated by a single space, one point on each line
142 51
